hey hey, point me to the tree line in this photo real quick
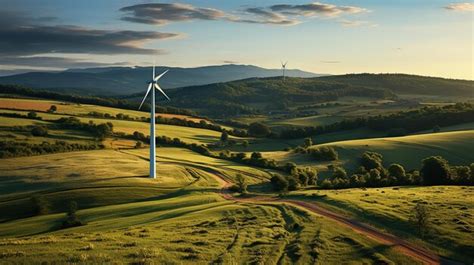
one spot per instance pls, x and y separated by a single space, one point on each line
399 123
101 101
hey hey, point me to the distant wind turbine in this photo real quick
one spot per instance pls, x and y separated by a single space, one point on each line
153 83
283 68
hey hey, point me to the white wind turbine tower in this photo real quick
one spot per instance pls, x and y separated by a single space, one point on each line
283 68
152 84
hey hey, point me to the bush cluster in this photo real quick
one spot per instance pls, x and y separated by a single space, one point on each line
323 153
98 130
435 170
298 178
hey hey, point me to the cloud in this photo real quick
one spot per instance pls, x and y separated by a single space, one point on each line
28 41
284 14
52 62
356 23
317 9
263 16
230 62
460 7
161 14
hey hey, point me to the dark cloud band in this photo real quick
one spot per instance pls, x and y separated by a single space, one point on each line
284 14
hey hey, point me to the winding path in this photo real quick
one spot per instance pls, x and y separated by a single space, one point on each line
423 255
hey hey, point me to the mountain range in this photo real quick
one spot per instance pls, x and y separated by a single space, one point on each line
128 80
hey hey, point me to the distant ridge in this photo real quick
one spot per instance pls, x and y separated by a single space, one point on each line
408 84
129 80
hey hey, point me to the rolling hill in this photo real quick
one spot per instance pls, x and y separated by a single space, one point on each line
408 84
266 94
128 80
410 150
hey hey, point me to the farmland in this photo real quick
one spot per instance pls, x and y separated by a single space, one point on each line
129 218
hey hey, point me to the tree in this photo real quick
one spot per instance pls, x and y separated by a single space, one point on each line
436 129
259 129
371 160
308 142
40 205
290 167
256 156
241 184
324 153
138 144
32 115
224 136
435 171
39 131
71 219
279 183
103 130
421 218
53 109
339 172
293 183
245 143
461 175
397 171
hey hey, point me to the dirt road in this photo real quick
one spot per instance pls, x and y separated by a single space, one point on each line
416 252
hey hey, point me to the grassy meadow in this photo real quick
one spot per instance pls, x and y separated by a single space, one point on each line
451 209
182 217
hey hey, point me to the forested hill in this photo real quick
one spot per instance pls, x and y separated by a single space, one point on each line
249 95
408 84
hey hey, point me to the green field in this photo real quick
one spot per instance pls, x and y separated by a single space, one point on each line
76 109
210 230
183 216
186 134
456 147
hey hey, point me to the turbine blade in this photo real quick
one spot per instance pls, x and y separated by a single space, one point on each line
158 77
148 91
153 76
161 90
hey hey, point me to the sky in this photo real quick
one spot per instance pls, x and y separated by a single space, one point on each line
425 37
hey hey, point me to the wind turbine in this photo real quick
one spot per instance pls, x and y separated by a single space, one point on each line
152 85
283 68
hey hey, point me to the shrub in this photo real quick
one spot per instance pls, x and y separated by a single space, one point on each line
40 205
138 144
52 109
39 131
324 153
308 142
32 115
224 136
241 184
258 129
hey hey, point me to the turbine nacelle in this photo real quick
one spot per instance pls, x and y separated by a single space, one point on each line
154 84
